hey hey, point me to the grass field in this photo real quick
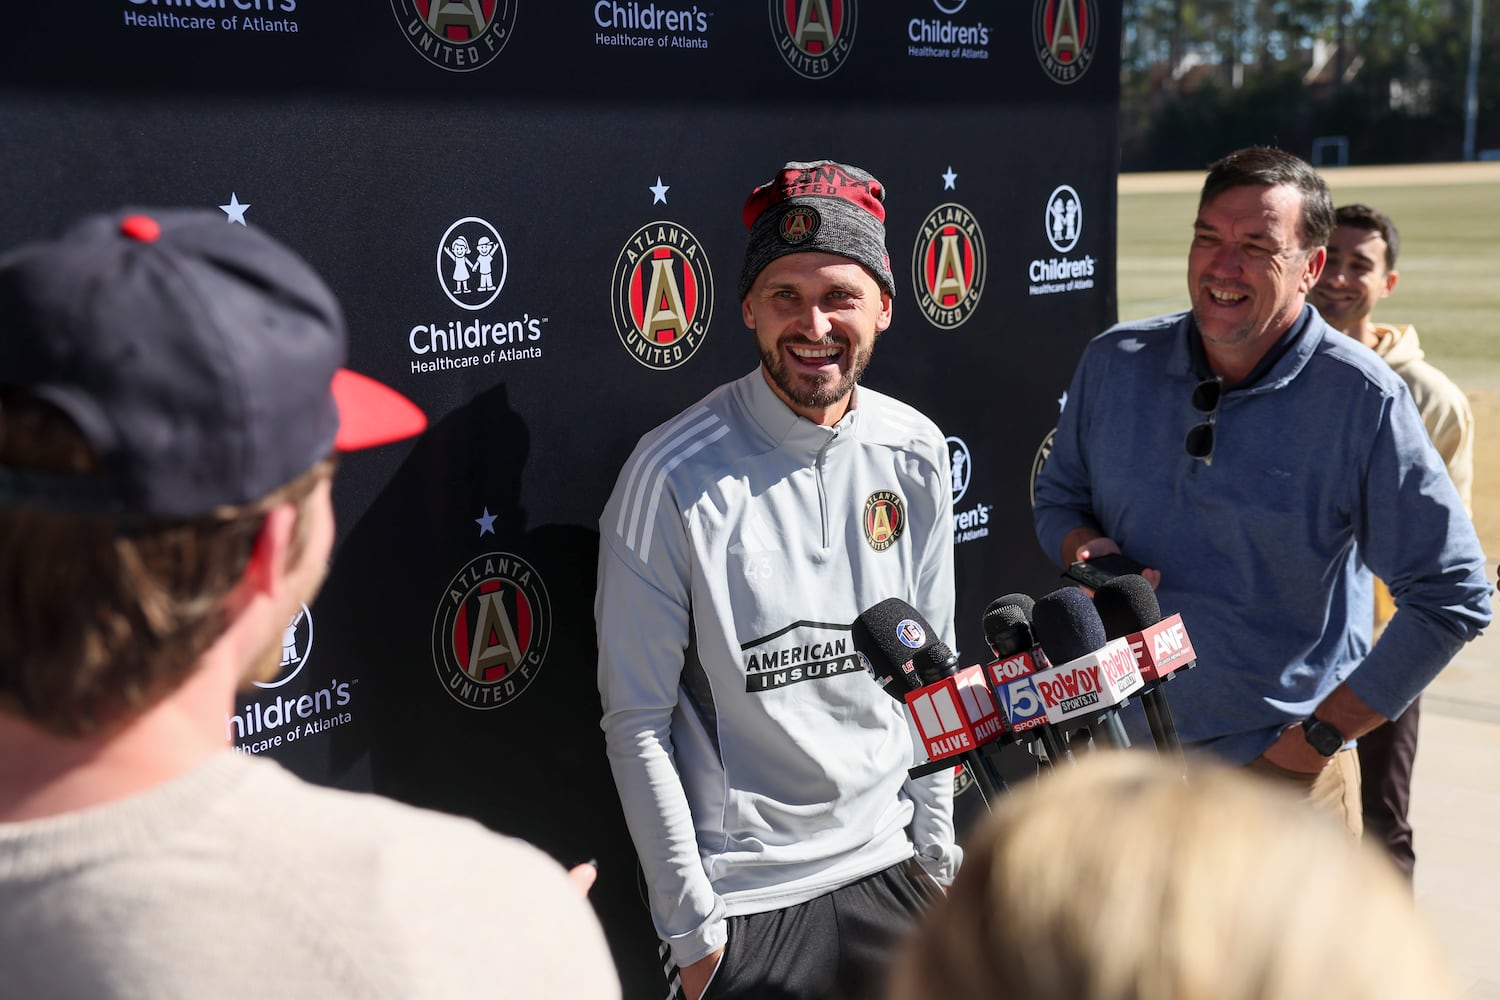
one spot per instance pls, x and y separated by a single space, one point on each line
1449 217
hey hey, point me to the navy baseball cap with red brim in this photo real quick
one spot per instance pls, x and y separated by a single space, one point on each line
371 413
202 361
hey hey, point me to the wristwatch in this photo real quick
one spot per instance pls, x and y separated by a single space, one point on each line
1321 736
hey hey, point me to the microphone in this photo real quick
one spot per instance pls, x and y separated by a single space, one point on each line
1007 629
1092 676
1128 608
935 660
951 710
1024 602
886 644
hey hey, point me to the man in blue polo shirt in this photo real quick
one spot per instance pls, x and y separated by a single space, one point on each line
1262 465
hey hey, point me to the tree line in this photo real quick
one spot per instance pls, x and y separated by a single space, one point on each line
1390 76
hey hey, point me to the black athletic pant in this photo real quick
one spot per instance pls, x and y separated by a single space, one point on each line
835 947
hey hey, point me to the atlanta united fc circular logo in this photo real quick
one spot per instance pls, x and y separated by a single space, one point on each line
663 293
813 36
884 520
458 35
490 633
800 224
1065 34
948 265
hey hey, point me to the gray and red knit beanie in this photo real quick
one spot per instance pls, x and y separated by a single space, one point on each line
818 206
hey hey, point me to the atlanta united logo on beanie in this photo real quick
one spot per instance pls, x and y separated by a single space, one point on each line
818 206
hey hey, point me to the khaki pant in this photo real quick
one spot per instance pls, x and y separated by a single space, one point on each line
1335 789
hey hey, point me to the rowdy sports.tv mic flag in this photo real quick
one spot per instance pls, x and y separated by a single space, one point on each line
1092 676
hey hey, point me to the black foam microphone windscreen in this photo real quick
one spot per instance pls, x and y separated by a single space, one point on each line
1066 625
1126 604
936 661
890 634
1017 600
1007 629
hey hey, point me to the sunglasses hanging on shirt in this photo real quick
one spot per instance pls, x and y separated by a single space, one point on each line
1200 437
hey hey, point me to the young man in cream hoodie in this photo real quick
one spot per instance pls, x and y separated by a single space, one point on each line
1361 270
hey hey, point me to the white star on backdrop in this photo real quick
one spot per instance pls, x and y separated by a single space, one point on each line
949 179
486 523
234 210
1062 401
659 192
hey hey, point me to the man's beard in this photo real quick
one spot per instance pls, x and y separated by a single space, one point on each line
814 393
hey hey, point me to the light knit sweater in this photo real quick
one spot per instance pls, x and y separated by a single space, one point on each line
240 880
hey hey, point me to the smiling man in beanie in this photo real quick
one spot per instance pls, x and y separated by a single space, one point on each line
171 398
763 774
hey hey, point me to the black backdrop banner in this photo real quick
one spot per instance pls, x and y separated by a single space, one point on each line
530 211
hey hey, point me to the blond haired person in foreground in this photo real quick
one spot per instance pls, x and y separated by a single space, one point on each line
1116 880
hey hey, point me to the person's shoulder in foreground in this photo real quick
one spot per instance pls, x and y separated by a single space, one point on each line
171 396
238 879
